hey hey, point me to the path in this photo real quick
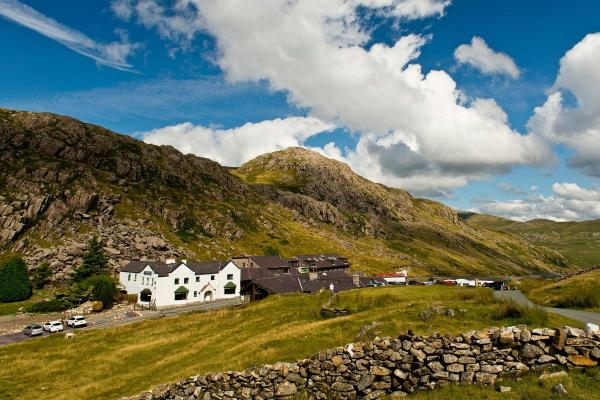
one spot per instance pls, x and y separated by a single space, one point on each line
111 322
577 315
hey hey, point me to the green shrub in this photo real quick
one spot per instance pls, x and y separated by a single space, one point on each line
41 275
102 288
14 281
54 305
270 251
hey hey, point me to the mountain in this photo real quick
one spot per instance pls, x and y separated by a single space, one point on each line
579 242
63 181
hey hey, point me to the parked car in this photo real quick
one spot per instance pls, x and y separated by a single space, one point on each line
54 326
77 321
33 330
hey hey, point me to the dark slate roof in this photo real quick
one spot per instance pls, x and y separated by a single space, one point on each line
340 279
159 268
279 284
204 268
269 261
249 274
163 269
323 261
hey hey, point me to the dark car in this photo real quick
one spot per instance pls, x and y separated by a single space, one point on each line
33 330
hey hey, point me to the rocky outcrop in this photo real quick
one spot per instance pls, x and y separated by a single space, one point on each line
398 366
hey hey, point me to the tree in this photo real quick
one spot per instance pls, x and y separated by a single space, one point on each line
101 288
94 261
14 281
40 275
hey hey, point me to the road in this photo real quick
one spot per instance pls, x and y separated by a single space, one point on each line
577 315
109 322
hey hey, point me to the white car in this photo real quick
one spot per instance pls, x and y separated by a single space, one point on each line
54 326
76 321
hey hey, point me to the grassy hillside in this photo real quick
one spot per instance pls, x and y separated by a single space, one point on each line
580 291
579 242
64 181
109 363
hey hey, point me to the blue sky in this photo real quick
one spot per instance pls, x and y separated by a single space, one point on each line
206 77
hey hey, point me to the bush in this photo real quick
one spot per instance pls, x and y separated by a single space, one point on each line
40 275
270 251
14 281
54 305
102 288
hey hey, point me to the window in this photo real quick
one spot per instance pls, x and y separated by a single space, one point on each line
229 288
177 281
186 280
128 277
197 279
181 293
195 293
212 277
134 277
229 277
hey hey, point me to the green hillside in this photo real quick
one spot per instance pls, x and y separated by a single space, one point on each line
579 242
64 181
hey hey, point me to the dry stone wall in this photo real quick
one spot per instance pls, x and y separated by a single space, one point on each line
398 366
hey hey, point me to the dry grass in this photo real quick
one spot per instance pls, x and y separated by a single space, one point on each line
581 291
110 363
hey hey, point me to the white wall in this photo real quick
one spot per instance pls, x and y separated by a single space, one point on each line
163 289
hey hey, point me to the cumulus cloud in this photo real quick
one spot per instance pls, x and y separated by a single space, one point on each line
235 146
114 54
316 52
577 125
480 56
569 202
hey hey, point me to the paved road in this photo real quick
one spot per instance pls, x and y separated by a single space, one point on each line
109 322
577 315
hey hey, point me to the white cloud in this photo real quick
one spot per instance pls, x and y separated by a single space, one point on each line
569 202
479 55
113 54
314 51
575 125
235 146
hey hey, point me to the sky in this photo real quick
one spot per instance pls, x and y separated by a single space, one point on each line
487 106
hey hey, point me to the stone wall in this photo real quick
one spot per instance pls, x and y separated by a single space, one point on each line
398 366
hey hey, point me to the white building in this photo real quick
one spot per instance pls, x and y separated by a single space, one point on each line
398 278
178 283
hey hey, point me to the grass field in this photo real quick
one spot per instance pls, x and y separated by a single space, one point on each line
580 291
579 385
109 363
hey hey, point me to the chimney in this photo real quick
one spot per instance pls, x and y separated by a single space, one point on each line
184 261
170 261
355 280
312 275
